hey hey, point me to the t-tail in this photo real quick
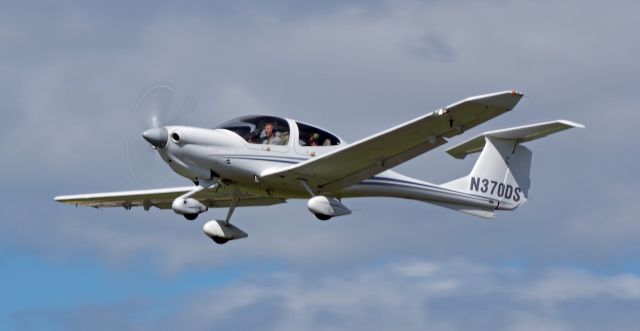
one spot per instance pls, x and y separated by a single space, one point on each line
502 171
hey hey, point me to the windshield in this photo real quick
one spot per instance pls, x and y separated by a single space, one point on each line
259 129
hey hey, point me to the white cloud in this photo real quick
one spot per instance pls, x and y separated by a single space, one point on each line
565 285
386 297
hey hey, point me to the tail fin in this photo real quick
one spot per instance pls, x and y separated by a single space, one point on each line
502 172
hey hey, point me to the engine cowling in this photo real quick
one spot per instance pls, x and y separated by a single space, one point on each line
326 207
188 206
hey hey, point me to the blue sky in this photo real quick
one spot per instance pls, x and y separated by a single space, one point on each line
567 260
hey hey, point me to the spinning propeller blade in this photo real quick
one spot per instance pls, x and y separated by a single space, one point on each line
154 108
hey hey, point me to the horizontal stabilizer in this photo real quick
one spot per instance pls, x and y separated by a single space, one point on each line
520 134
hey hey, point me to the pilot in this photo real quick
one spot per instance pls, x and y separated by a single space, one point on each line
270 136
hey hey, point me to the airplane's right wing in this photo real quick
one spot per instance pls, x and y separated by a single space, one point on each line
360 160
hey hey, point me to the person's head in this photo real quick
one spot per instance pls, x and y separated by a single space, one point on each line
268 129
313 140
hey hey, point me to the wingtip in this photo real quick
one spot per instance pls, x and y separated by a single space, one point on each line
572 124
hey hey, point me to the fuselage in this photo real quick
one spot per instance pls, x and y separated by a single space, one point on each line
237 156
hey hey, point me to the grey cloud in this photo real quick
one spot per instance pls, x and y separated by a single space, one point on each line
72 73
336 68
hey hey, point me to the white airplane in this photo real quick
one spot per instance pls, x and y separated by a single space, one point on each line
265 160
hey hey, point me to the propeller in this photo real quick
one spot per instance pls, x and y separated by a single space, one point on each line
155 108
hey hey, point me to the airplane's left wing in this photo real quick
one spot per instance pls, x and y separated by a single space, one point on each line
360 160
162 198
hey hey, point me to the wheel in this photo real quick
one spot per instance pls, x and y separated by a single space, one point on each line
190 217
219 240
322 217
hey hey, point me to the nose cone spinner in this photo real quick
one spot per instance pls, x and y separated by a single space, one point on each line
157 136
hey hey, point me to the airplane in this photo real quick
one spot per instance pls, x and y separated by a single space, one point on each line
260 160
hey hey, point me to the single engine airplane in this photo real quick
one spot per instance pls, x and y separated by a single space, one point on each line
266 160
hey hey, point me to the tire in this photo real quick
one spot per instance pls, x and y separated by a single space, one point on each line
219 240
323 217
190 217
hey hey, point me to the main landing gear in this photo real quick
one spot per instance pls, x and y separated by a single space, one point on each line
220 231
189 207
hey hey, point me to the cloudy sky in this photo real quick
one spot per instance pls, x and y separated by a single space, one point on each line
71 74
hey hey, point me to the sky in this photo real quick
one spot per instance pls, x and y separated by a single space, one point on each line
72 72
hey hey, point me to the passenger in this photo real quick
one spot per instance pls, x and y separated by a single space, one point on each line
313 140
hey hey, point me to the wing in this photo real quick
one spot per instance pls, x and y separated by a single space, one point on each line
162 198
358 161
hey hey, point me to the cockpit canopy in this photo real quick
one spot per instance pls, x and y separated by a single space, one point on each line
275 131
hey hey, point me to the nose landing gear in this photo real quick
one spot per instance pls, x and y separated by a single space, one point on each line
221 231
